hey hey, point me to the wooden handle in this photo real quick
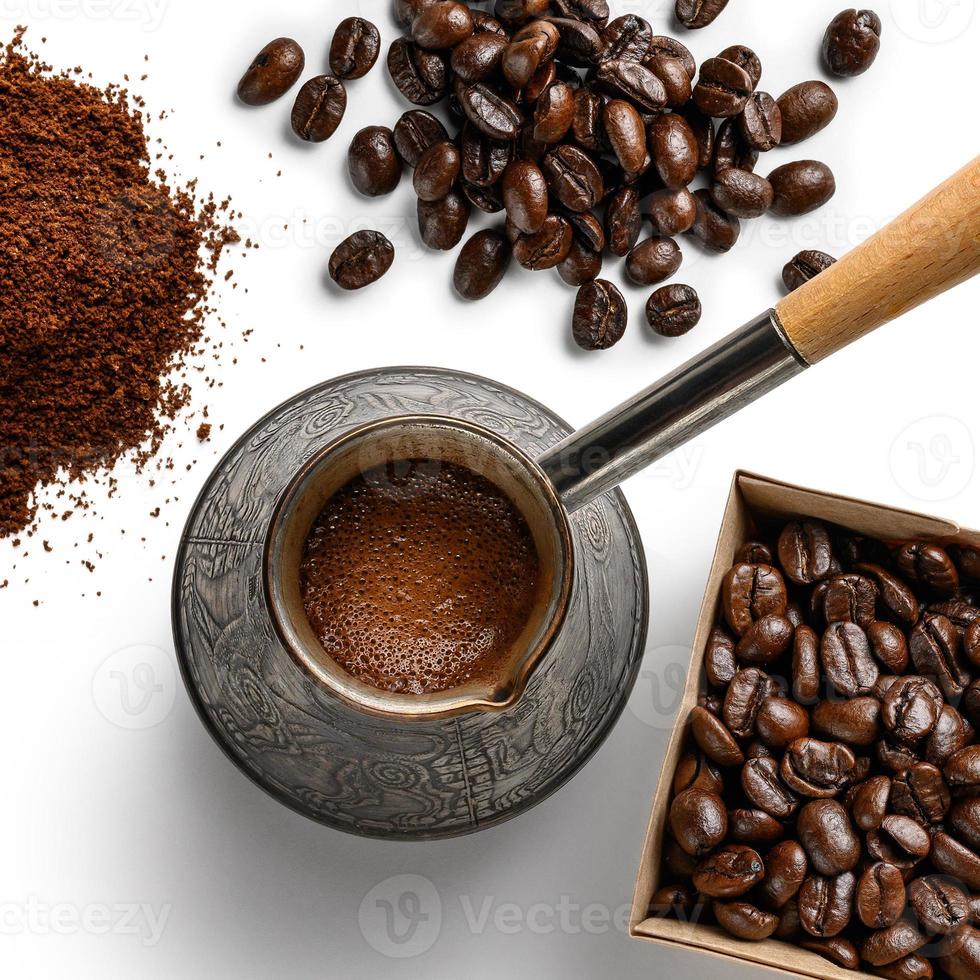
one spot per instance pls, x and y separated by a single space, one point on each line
931 248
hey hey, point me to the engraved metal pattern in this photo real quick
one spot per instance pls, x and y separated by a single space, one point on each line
363 774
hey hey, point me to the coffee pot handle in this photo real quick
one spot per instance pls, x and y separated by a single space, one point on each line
931 248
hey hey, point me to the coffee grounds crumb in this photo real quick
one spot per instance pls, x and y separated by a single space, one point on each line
105 274
204 431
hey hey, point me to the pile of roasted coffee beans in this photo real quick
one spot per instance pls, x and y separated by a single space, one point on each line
580 128
830 796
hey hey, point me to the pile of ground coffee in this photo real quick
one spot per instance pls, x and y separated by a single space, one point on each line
105 271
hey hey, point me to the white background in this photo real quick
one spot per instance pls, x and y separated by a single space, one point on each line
109 802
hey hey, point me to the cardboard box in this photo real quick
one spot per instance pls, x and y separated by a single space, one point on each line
757 503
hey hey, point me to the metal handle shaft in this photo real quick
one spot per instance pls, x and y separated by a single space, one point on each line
714 385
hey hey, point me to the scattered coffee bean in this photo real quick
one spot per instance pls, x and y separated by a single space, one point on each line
600 316
624 221
442 25
373 162
804 266
714 228
355 48
805 109
319 108
421 76
482 264
653 261
442 223
672 212
694 14
852 42
801 187
673 311
742 194
272 73
762 122
361 260
723 88
415 132
546 248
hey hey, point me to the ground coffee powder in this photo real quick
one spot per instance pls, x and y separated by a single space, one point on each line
105 271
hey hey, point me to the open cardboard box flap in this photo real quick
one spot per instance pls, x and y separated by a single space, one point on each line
754 500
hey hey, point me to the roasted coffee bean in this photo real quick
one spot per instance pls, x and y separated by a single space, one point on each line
582 264
934 644
786 869
532 46
675 150
587 125
514 13
953 858
894 593
804 266
719 658
895 756
806 108
962 772
869 802
694 14
888 945
826 904
846 657
553 113
634 82
754 551
856 721
319 108
482 264
671 212
442 223
355 48
741 193
272 73
730 872
805 551
912 967
961 957
674 77
837 949
421 76
484 160
828 837
766 791
851 42
573 178
750 592
964 819
674 310
696 771
442 25
600 316
806 665
677 863
930 566
525 196
588 228
407 10
662 46
594 12
959 610
817 769
971 643
671 900
766 640
850 598
731 149
624 221
627 37
415 132
889 646
703 128
781 722
653 261
899 841
627 135
921 793
698 821
754 827
794 613
373 161
713 228
801 187
762 122
546 248
361 259
952 733
789 928
490 113
579 44
437 171
723 88
746 59
715 739
880 897
745 921
479 57
940 905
